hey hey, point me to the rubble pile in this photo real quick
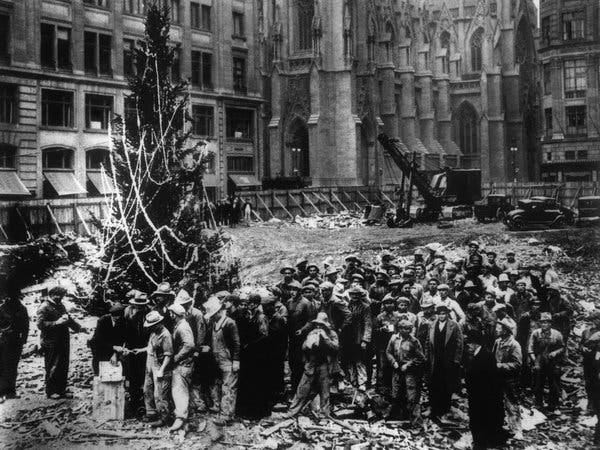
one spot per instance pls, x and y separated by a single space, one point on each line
345 219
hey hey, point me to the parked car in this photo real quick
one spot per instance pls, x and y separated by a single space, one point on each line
539 212
588 210
493 207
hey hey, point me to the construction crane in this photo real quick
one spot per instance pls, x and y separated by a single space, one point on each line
449 187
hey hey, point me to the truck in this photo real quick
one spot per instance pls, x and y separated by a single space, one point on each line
449 191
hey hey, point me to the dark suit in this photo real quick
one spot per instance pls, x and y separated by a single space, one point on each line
486 408
445 355
105 337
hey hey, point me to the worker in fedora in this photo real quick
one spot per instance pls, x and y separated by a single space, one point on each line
225 344
109 333
157 384
161 299
313 274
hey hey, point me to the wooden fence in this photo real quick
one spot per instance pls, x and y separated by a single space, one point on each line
22 220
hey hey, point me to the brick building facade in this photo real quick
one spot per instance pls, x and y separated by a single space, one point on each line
63 67
455 80
569 53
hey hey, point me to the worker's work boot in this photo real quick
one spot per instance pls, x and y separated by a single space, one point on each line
177 425
157 423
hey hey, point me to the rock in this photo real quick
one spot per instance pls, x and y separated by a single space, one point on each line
531 418
533 241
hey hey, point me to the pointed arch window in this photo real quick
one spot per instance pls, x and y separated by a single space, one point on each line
305 11
476 50
445 44
465 129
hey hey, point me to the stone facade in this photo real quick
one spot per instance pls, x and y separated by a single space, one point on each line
569 56
68 26
455 80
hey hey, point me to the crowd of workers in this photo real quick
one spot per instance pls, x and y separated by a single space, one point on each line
393 327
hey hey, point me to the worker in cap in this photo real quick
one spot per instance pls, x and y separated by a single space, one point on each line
287 270
500 309
319 348
356 341
352 266
509 359
546 349
108 339
495 269
313 273
331 274
301 272
378 290
383 328
445 356
157 384
407 359
510 263
183 360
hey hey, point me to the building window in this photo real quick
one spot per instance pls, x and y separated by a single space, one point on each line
130 113
55 46
202 69
97 159
465 129
4 37
547 79
476 53
57 158
239 75
99 3
573 25
305 11
240 164
97 53
582 154
135 7
8 156
548 120
445 44
202 120
173 6
238 24
205 17
575 78
576 120
546 31
240 123
195 21
98 111
570 154
548 156
57 108
8 103
176 66
128 57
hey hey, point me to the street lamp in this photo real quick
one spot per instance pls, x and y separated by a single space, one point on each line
513 150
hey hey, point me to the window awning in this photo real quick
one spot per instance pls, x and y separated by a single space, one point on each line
11 184
64 183
245 180
102 182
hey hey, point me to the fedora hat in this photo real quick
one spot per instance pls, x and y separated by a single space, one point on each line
183 298
545 317
152 318
116 308
212 306
332 271
286 269
163 288
322 319
506 324
139 298
177 309
313 265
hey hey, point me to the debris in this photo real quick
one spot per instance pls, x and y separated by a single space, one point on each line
588 421
50 428
533 241
531 418
284 424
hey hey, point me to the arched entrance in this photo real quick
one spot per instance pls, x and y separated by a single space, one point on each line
465 129
298 147
366 163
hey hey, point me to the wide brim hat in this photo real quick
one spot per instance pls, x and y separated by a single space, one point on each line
474 244
506 324
332 271
356 290
352 258
286 268
164 288
441 307
443 287
152 318
388 299
403 299
357 276
395 281
503 277
294 285
301 261
469 284
309 287
183 298
427 303
177 308
139 299
545 317
382 273
212 306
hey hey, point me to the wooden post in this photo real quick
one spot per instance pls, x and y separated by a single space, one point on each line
337 199
83 222
384 195
363 197
25 225
3 232
257 216
297 203
350 198
56 224
284 208
259 198
311 203
323 197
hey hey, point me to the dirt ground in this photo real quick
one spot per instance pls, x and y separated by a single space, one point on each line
35 422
